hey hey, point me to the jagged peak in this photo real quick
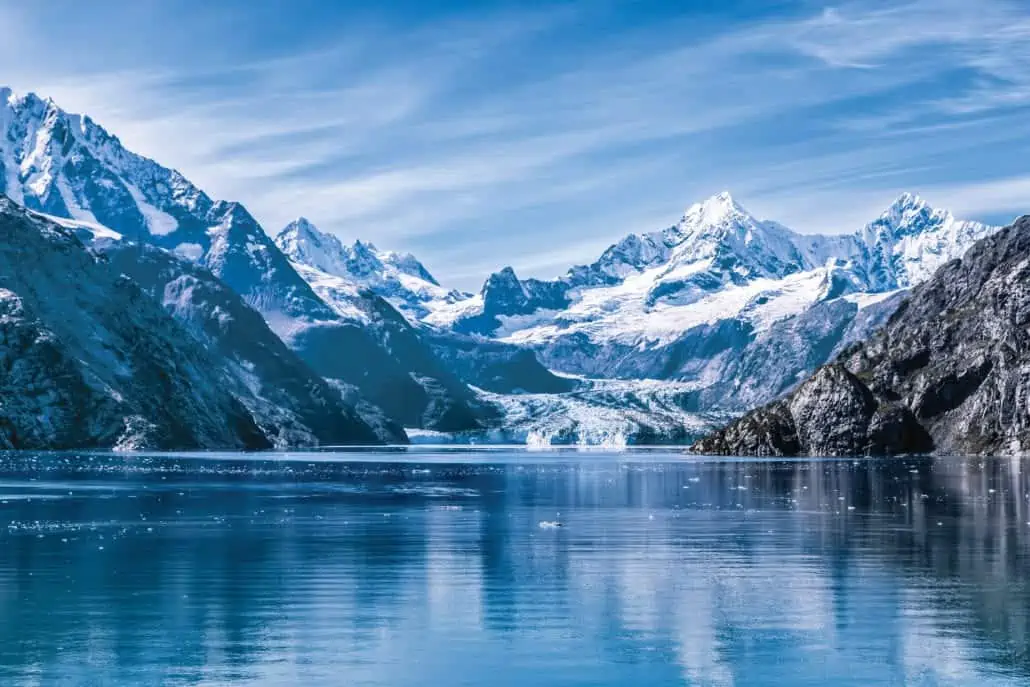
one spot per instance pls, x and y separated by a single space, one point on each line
49 113
504 276
30 104
715 209
231 212
13 98
501 283
907 202
301 226
360 246
303 222
909 214
408 264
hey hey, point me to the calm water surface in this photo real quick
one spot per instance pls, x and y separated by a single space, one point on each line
422 568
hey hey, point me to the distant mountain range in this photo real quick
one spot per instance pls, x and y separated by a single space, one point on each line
739 308
320 342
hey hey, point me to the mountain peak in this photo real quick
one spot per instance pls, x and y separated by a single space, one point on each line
909 215
360 247
232 211
301 227
907 202
9 96
715 209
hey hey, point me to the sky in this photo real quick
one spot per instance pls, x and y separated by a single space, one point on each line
481 134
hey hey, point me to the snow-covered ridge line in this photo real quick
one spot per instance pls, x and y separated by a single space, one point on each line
65 165
732 308
398 277
717 262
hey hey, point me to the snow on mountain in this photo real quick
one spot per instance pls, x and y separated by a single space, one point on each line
90 360
717 262
344 276
599 413
398 277
735 308
706 299
65 165
906 244
738 307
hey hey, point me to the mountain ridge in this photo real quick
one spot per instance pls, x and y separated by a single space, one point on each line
733 309
68 166
947 374
102 364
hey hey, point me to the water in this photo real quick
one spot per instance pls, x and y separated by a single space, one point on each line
421 568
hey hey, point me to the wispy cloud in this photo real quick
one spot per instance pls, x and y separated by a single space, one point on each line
537 138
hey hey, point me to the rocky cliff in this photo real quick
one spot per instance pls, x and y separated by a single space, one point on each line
289 401
87 359
949 372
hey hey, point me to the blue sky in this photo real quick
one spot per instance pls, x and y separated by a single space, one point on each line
477 134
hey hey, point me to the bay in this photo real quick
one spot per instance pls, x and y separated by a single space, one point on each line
508 567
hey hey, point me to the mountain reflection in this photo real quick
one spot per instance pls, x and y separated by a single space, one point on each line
176 571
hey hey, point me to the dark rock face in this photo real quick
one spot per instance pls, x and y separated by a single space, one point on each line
394 369
495 366
148 203
950 372
831 414
504 294
293 405
87 359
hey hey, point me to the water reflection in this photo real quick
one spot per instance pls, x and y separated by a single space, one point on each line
175 571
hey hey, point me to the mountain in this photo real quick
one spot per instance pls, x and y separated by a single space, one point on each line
67 166
346 276
948 373
744 308
291 404
397 277
730 310
89 360
321 340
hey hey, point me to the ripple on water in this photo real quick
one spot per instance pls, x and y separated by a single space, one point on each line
441 570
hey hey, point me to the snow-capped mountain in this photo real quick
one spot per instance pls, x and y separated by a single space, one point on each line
398 277
728 309
343 276
737 308
67 166
717 261
947 374
91 361
706 299
909 241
